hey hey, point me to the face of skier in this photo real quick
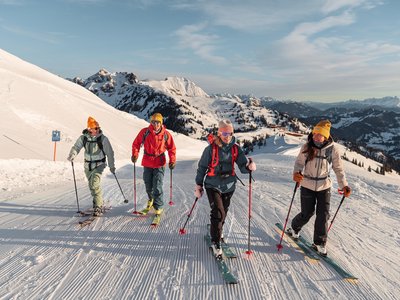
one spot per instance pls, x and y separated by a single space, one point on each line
94 131
156 125
225 134
318 138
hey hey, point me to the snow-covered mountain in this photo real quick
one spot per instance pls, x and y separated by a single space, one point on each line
43 102
371 125
388 103
186 107
44 254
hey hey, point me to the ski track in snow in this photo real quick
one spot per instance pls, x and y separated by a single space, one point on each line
45 254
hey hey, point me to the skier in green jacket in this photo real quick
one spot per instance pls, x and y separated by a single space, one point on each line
97 148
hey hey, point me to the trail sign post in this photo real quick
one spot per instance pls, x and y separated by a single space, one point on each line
55 137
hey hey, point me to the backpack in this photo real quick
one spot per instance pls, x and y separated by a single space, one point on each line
99 144
148 132
145 136
215 158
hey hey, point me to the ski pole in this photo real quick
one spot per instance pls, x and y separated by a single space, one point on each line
125 200
341 201
279 246
135 212
76 190
182 230
249 252
170 188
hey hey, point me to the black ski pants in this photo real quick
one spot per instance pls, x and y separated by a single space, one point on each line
219 203
311 201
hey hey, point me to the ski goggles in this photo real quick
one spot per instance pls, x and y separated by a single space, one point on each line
226 134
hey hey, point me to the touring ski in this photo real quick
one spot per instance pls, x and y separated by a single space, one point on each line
87 221
221 263
313 255
333 263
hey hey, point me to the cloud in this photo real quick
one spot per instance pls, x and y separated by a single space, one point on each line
334 5
252 15
203 45
50 38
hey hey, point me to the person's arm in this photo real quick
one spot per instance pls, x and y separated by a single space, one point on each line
76 148
109 152
337 166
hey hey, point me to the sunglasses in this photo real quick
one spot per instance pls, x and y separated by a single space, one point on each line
155 122
226 134
96 128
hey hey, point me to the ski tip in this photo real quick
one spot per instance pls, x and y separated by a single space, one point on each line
352 280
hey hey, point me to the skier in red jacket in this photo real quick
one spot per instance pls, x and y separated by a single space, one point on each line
156 140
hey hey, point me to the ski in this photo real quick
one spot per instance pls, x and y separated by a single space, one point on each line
87 221
228 252
222 266
333 263
299 244
83 213
156 221
89 211
315 256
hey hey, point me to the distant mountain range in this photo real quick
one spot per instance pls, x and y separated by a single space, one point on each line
186 107
372 125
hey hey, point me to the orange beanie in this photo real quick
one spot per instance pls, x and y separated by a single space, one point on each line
157 117
323 127
92 123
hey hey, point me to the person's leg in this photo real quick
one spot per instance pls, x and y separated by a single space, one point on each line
148 183
226 202
308 200
217 214
158 181
94 182
322 217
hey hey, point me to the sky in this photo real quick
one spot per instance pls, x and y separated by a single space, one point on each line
311 50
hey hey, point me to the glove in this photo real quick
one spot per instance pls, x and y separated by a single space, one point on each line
71 157
134 159
171 165
112 170
298 177
251 165
198 191
347 191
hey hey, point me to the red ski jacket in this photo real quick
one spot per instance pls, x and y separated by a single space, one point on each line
155 146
